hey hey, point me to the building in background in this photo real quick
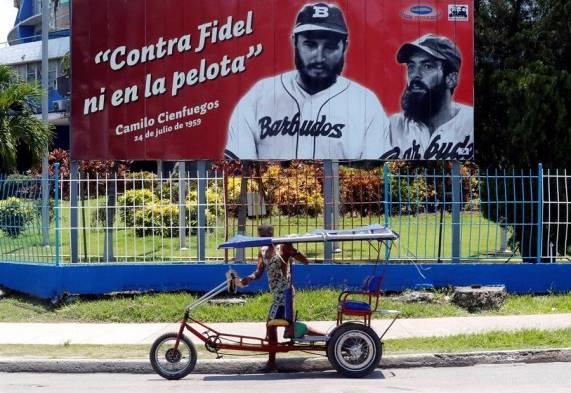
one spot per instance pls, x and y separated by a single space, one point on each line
23 52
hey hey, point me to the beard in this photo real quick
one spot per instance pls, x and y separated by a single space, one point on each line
422 105
321 83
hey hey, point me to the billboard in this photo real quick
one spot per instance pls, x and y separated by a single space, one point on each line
272 79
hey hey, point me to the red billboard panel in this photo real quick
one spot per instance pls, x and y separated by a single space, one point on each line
272 79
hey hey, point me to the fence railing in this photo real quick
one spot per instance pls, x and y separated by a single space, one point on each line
462 215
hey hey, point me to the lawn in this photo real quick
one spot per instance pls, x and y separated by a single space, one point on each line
420 236
311 304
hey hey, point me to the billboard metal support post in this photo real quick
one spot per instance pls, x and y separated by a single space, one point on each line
45 86
243 209
201 238
336 203
110 218
181 205
73 216
387 204
328 206
456 206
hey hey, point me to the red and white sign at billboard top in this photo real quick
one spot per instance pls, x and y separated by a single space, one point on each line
251 79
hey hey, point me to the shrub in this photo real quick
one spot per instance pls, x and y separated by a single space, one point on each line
21 186
141 180
15 214
214 207
133 201
295 190
87 169
234 184
157 219
413 194
361 191
167 190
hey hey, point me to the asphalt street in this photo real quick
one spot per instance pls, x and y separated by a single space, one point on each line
507 378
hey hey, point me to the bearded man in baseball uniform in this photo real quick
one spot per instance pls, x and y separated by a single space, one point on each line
312 112
431 126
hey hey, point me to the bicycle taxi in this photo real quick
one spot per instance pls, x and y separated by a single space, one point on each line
353 348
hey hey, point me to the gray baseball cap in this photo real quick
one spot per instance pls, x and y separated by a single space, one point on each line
436 46
320 17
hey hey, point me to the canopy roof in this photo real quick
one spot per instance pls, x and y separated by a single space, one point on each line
370 232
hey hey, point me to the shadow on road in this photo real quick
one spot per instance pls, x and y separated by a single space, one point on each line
287 375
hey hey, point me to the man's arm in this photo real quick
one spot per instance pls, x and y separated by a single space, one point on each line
291 252
257 273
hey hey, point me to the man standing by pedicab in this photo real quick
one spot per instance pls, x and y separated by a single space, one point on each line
276 261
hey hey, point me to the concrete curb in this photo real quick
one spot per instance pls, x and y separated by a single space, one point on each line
251 366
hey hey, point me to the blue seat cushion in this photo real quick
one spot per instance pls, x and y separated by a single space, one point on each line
356 305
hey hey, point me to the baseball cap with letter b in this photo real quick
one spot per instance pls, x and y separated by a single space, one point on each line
320 16
436 46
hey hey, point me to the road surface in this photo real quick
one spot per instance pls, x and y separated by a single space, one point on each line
516 378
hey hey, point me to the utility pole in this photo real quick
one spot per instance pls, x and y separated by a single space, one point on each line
45 88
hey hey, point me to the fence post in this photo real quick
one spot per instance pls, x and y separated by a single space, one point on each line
327 206
182 205
201 238
539 211
73 213
456 205
387 204
108 254
56 213
240 253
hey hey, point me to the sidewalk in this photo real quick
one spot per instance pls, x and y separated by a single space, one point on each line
145 334
123 333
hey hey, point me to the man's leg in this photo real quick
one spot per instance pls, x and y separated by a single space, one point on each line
276 312
273 340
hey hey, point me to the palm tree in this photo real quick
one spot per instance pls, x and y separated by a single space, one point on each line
18 124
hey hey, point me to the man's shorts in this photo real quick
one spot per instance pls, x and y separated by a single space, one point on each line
277 311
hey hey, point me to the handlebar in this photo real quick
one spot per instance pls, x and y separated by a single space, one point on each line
231 284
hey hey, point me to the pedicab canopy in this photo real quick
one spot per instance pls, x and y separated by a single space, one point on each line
370 232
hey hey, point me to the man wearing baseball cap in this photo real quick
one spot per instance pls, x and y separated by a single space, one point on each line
431 126
311 112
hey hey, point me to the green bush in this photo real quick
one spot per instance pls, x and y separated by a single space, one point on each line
412 193
15 214
141 180
157 219
132 202
168 190
214 207
234 185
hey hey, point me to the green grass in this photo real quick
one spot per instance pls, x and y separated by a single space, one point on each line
419 236
523 339
311 304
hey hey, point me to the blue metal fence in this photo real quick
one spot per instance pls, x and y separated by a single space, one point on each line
457 215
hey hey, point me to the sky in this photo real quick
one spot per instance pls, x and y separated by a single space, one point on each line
7 16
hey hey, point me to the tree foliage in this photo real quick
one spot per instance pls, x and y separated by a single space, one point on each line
523 83
18 125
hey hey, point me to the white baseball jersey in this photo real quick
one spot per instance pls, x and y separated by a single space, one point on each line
411 140
279 120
